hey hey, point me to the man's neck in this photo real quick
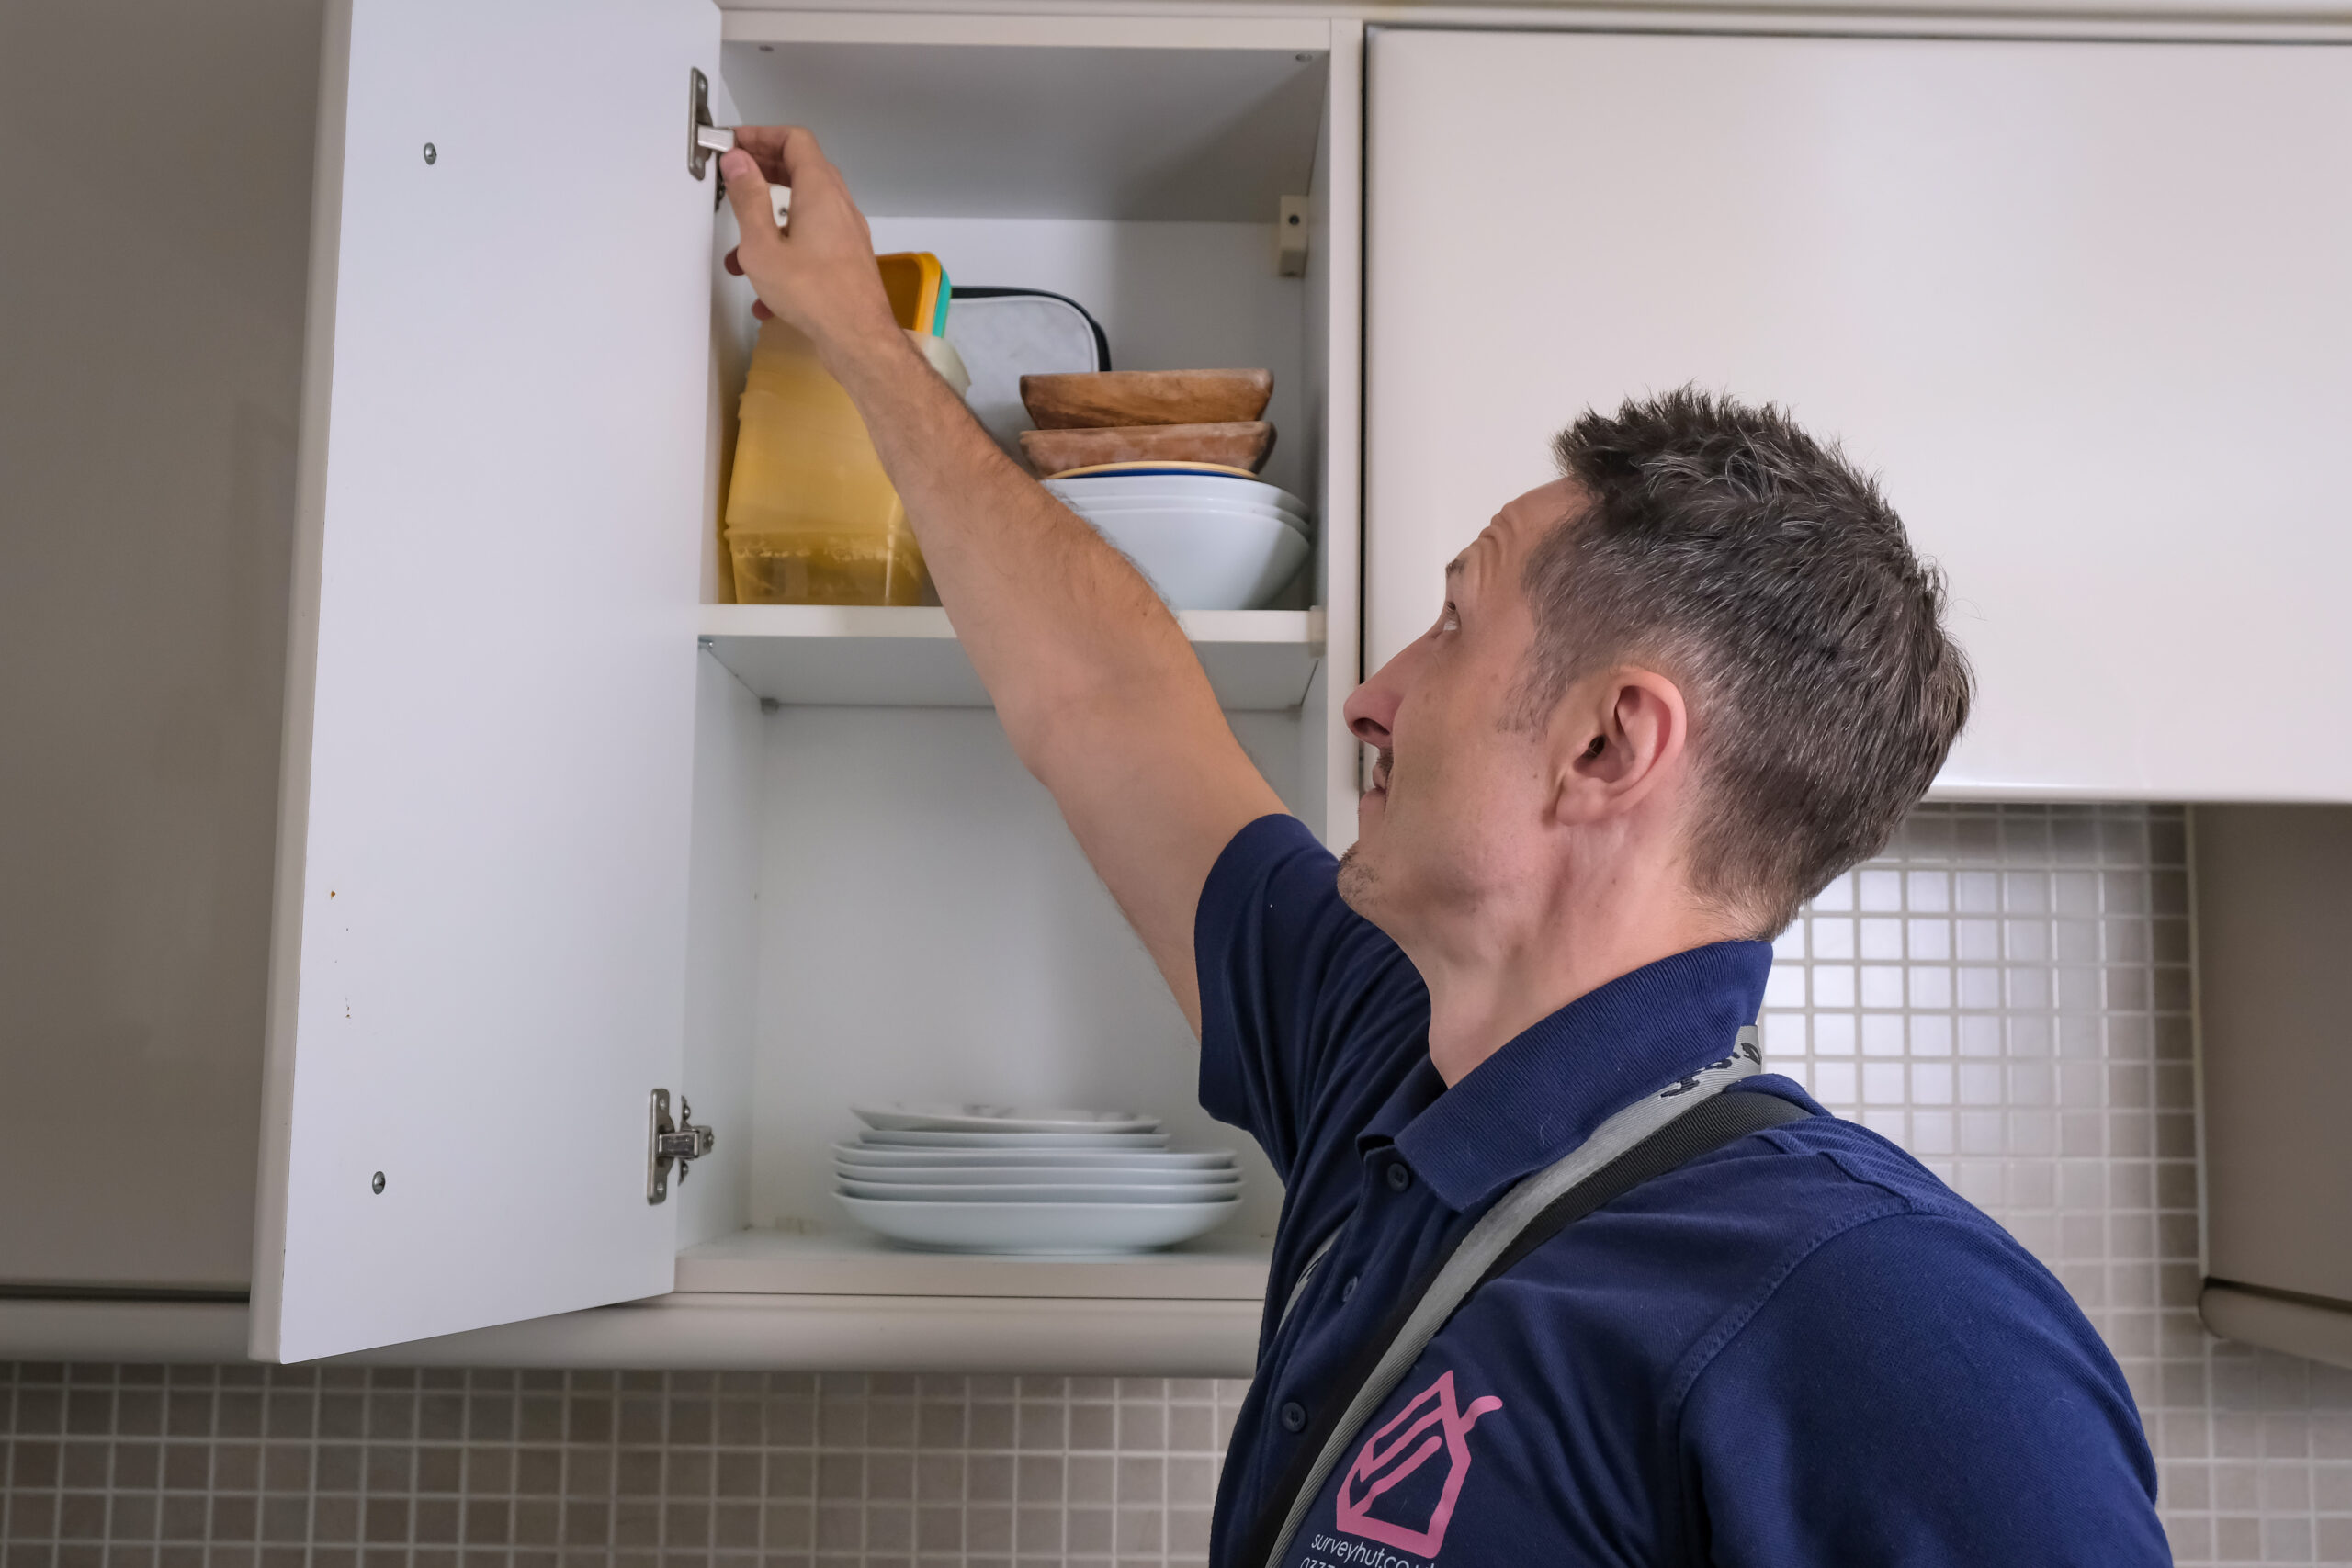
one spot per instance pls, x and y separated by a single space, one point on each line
1486 992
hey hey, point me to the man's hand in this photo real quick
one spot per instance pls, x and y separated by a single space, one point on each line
819 275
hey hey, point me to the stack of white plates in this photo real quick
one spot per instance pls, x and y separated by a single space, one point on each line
1207 541
1002 1179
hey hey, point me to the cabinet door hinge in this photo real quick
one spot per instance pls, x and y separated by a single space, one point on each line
669 1143
702 138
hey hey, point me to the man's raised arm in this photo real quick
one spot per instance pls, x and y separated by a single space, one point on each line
1095 681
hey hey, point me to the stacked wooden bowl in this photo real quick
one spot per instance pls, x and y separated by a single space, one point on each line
1090 420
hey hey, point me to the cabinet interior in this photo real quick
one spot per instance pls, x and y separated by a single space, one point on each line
885 905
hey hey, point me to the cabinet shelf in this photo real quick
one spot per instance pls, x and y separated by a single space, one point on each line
832 655
763 1262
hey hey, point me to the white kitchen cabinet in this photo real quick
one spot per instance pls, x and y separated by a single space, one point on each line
560 826
2081 305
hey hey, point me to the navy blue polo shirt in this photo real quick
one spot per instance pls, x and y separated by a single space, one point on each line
1800 1349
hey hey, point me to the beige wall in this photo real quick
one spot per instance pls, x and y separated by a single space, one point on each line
154 179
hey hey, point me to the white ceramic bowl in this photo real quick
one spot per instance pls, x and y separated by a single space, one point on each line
1030 1176
877 1138
1219 508
1230 487
1207 560
902 1116
1045 1192
869 1156
1038 1227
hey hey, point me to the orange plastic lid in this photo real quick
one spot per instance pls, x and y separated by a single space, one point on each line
916 284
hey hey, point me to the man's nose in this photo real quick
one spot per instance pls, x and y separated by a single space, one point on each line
1371 708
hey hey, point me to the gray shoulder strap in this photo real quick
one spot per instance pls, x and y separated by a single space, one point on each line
1487 1241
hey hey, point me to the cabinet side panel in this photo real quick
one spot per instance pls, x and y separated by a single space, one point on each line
1335 348
2274 928
722 949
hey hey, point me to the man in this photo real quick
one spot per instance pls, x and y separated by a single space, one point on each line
1668 698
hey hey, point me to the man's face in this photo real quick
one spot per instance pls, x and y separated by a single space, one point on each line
1461 782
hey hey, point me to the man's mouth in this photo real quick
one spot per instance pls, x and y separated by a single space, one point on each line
1382 761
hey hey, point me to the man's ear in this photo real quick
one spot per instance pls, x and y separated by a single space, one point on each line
1613 741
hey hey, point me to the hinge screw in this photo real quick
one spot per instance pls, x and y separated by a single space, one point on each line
378 1184
432 153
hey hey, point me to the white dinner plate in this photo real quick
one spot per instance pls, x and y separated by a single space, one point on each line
881 1138
867 1155
936 1117
1038 1227
1031 1176
1048 1192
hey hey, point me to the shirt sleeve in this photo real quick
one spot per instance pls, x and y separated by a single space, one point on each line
1918 1392
1287 973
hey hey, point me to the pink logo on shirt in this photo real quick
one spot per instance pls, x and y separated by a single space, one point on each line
1429 1422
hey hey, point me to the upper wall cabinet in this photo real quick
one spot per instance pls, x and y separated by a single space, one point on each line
540 857
2081 306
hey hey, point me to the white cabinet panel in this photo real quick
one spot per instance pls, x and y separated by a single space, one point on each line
478 965
2080 305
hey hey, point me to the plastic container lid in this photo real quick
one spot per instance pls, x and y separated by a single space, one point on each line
1007 333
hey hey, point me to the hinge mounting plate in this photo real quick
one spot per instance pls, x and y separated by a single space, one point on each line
702 138
669 1143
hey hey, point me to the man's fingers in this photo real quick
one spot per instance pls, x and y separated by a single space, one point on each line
747 192
788 155
734 263
773 145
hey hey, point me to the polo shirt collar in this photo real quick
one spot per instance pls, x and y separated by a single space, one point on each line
1546 1090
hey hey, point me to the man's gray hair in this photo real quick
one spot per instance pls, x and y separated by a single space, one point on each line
1757 568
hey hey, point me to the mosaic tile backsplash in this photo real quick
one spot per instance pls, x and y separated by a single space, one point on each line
2005 992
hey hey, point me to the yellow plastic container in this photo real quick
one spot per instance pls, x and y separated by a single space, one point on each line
811 517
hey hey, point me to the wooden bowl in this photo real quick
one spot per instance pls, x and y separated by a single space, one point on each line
1241 444
1094 400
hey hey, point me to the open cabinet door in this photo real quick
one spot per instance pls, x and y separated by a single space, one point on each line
478 967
